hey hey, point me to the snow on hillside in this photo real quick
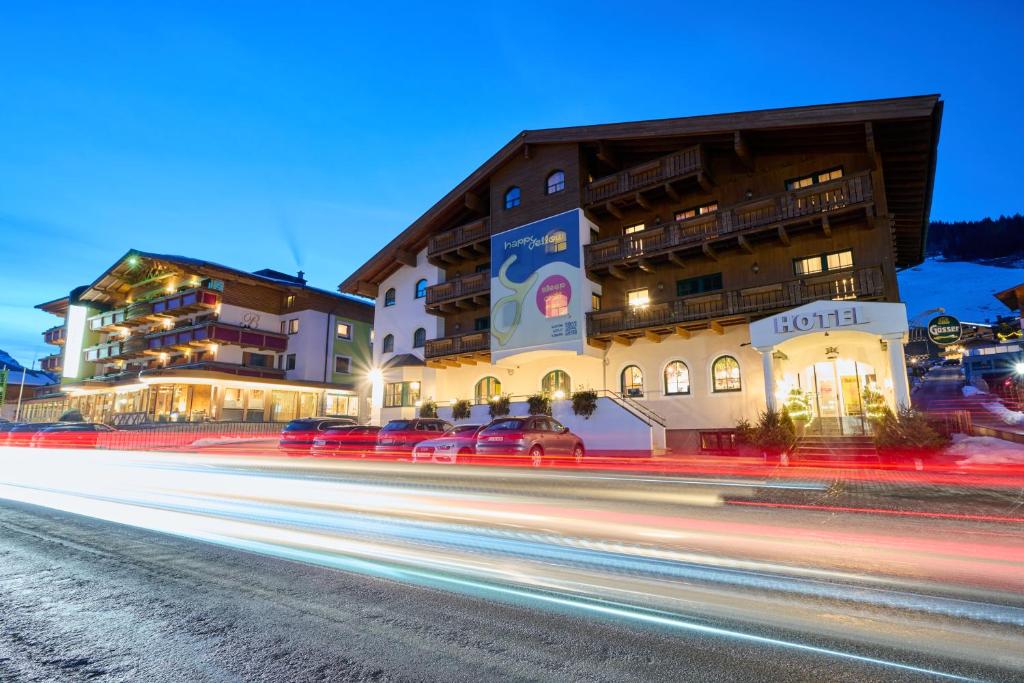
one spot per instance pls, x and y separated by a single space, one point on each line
963 288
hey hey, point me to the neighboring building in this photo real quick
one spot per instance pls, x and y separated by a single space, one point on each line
169 338
692 270
19 384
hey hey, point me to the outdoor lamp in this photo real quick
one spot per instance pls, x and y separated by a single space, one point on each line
1018 368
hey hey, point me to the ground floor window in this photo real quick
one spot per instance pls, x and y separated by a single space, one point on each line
486 389
718 441
341 404
677 378
398 394
725 374
556 383
633 382
282 406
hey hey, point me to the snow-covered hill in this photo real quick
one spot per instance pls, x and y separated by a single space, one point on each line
963 288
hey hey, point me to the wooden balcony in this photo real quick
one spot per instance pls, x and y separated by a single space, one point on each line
815 207
667 173
716 310
55 335
186 301
114 350
52 363
217 366
127 316
468 291
466 242
464 349
207 333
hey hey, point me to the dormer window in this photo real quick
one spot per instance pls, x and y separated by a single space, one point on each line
556 182
513 196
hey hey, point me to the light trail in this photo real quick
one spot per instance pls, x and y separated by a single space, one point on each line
880 511
677 555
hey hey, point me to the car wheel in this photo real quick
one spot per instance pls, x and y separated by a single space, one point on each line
577 453
536 456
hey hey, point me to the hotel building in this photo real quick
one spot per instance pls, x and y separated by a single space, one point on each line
692 271
169 338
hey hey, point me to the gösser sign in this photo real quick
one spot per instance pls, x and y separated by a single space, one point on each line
944 330
819 320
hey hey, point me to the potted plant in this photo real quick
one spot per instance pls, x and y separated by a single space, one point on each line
774 435
539 404
500 405
428 408
461 410
584 402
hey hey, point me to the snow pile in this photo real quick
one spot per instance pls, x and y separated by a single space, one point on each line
969 391
986 450
927 286
229 441
1010 417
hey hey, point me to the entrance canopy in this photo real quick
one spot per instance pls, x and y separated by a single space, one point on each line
880 319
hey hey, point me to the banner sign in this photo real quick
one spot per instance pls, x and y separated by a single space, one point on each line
944 330
539 292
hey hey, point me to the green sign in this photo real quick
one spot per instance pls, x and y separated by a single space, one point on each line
944 330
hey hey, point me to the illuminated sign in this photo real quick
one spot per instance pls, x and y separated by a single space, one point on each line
819 320
944 330
539 292
73 344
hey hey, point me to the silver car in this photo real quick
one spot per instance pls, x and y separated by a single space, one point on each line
459 440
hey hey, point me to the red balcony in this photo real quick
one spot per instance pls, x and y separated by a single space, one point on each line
229 368
55 335
52 363
216 333
186 301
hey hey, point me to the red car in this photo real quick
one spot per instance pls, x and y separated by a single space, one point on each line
398 437
70 435
298 436
536 438
346 440
22 434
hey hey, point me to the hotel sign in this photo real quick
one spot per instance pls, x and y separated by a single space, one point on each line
944 330
813 321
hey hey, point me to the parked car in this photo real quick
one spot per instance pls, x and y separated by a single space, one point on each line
21 434
346 440
951 362
298 436
70 435
398 437
460 440
536 437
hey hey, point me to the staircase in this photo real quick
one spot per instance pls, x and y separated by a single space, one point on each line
835 449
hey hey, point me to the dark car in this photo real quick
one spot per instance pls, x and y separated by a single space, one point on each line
398 437
21 434
298 436
951 362
458 441
535 437
70 435
346 440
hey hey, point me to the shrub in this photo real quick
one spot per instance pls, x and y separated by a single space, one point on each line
907 430
584 403
539 404
428 408
773 433
500 406
461 410
874 403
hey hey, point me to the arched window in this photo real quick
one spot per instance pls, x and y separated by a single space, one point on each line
389 297
419 338
389 343
725 374
633 382
556 383
512 197
555 241
421 288
677 378
556 182
486 389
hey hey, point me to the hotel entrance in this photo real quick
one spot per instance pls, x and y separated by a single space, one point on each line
836 390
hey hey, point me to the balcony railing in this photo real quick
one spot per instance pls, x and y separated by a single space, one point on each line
121 317
51 363
457 288
216 333
229 368
836 195
55 335
121 348
186 301
472 342
462 236
863 283
676 165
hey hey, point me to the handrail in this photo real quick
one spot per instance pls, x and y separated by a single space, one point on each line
468 342
633 406
459 236
650 173
464 285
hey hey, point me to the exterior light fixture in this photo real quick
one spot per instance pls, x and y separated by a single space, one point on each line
1018 368
559 394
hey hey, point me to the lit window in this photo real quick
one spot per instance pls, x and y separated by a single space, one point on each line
632 229
725 374
388 344
289 301
677 378
393 394
811 265
834 174
556 182
595 302
293 326
555 241
556 381
342 365
421 289
486 389
389 297
633 382
556 304
512 197
419 338
840 259
343 331
814 179
703 210
807 266
637 298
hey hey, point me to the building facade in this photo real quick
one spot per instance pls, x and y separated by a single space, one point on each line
168 338
645 260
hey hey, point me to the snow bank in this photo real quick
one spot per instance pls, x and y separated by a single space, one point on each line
229 440
986 450
1010 417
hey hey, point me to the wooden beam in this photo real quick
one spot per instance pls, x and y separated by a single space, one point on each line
704 181
671 192
405 257
644 265
683 332
367 289
826 227
675 258
607 154
526 151
467 360
598 343
745 244
709 251
475 203
783 235
739 144
619 339
653 336
612 209
616 272
642 201
869 140
716 327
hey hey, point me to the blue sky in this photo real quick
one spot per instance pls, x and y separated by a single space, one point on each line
305 135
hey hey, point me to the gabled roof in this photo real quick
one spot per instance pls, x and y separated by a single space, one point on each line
923 112
1012 298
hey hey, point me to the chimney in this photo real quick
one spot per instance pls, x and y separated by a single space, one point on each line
302 277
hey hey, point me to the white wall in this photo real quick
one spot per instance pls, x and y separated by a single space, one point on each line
408 313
